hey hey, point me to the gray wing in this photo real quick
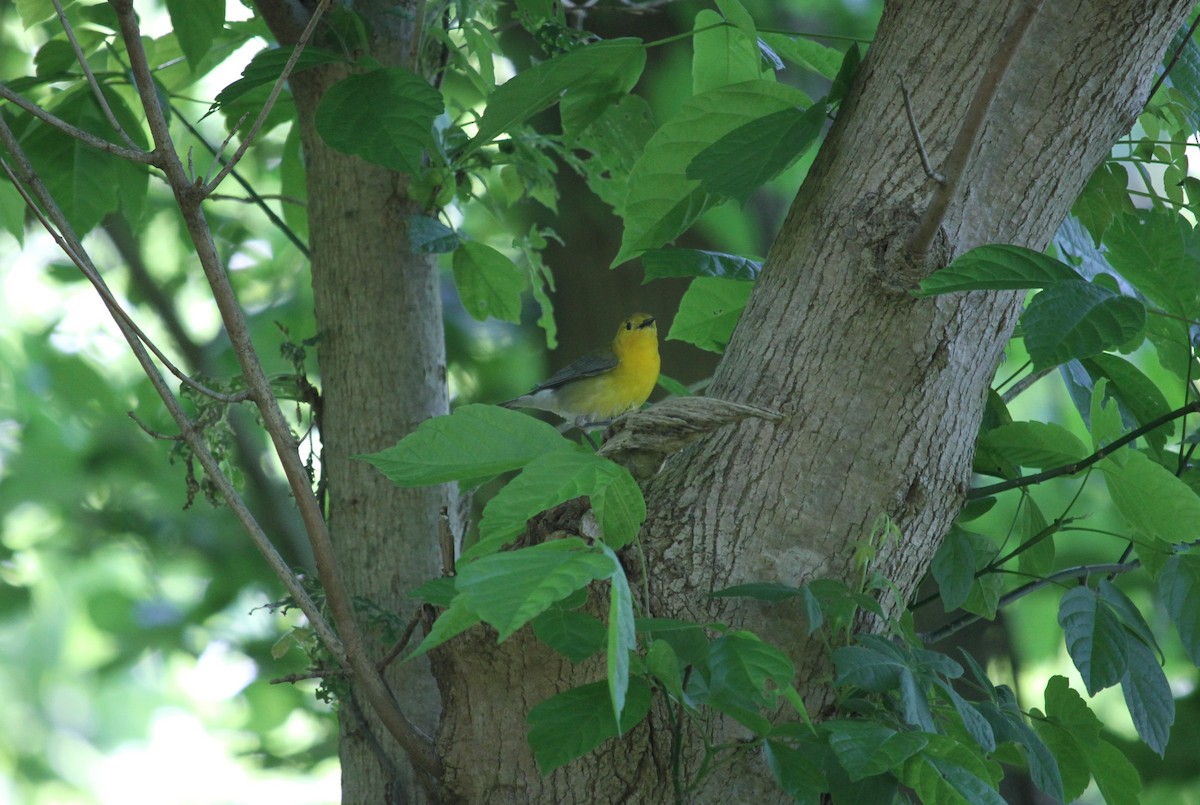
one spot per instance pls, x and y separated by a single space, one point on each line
594 363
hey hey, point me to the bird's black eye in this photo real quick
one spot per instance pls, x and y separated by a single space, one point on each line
629 325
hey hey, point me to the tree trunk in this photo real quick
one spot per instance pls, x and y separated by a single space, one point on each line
382 372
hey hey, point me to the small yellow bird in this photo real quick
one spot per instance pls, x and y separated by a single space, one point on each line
600 386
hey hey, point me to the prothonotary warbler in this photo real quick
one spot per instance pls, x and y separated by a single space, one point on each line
602 385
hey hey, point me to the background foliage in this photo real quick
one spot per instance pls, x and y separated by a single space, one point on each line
125 620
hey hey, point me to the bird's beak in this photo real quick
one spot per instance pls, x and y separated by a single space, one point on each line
647 323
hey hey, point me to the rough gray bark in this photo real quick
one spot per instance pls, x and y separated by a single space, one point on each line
382 372
884 393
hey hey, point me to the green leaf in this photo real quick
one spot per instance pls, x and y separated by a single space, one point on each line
489 284
662 202
998 268
722 55
196 24
1156 250
599 74
797 771
973 721
1103 198
953 568
1041 445
266 67
708 312
1115 776
1078 319
1036 558
88 184
743 663
622 634
865 749
663 664
845 74
510 588
1178 586
576 721
1135 392
1069 731
428 235
756 152
556 477
866 668
475 442
805 53
575 635
685 637
760 591
1095 637
1148 696
384 116
1154 502
663 263
12 212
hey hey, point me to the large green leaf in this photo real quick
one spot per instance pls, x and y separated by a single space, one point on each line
1137 394
88 184
804 52
266 67
1179 588
575 635
510 588
662 202
998 268
1148 696
196 23
576 721
722 54
1035 444
1157 250
595 77
1152 500
756 152
556 477
1096 638
663 263
708 312
1103 199
473 443
1078 319
489 284
384 116
865 749
622 634
953 568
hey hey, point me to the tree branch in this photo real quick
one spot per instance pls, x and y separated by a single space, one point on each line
968 136
1082 571
1082 464
134 154
415 743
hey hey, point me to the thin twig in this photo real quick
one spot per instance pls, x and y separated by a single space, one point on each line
1082 571
67 239
134 154
916 133
166 437
219 158
1084 463
1024 383
91 78
417 745
270 104
968 136
261 197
